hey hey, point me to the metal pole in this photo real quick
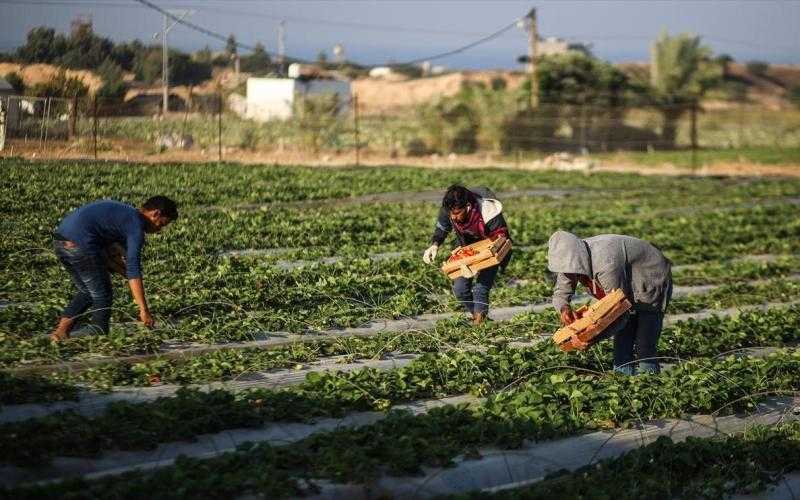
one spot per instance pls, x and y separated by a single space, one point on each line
355 119
165 65
281 46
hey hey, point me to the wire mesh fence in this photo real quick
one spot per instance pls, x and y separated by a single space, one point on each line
210 127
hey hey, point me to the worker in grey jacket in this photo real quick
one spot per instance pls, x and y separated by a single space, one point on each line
606 262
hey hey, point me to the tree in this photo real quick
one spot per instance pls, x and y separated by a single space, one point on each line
147 65
490 107
85 50
586 93
724 61
681 71
204 55
230 45
16 82
42 45
114 86
450 125
124 54
60 86
257 62
185 71
576 78
794 95
322 58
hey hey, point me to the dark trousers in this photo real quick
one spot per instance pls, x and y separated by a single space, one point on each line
92 281
473 293
640 334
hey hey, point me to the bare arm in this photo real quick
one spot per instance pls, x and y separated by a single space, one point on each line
137 290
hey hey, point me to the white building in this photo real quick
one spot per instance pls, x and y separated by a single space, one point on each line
554 46
10 109
273 98
381 72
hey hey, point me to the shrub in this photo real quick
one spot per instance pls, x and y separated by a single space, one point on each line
758 68
416 147
530 129
16 82
317 120
794 95
449 126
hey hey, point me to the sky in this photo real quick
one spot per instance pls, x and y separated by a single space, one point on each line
381 31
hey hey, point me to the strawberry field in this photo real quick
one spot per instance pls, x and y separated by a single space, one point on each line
302 347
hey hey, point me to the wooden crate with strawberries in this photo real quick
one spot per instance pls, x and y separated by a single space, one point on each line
592 320
467 261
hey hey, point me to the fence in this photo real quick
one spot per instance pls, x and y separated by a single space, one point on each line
206 129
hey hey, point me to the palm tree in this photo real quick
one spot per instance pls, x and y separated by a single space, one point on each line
681 71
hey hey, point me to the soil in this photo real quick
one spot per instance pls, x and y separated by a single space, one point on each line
134 152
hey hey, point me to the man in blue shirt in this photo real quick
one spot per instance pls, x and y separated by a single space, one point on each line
81 242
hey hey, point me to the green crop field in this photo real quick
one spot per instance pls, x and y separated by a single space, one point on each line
273 272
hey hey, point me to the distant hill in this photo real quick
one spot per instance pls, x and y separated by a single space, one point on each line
770 89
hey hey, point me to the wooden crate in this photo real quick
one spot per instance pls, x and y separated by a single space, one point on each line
488 253
592 320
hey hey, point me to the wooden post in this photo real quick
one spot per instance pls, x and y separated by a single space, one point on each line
3 125
73 117
219 127
355 119
533 49
45 115
94 125
583 149
694 133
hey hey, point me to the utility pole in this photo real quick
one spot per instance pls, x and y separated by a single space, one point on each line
165 66
165 56
533 45
281 45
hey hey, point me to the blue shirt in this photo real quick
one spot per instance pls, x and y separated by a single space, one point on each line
96 225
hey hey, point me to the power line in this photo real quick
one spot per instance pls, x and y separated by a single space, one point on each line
483 40
198 28
241 13
345 24
433 57
378 27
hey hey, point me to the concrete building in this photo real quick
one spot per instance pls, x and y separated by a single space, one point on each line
553 46
274 98
10 108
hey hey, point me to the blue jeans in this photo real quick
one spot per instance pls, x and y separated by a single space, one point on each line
92 281
473 293
641 332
